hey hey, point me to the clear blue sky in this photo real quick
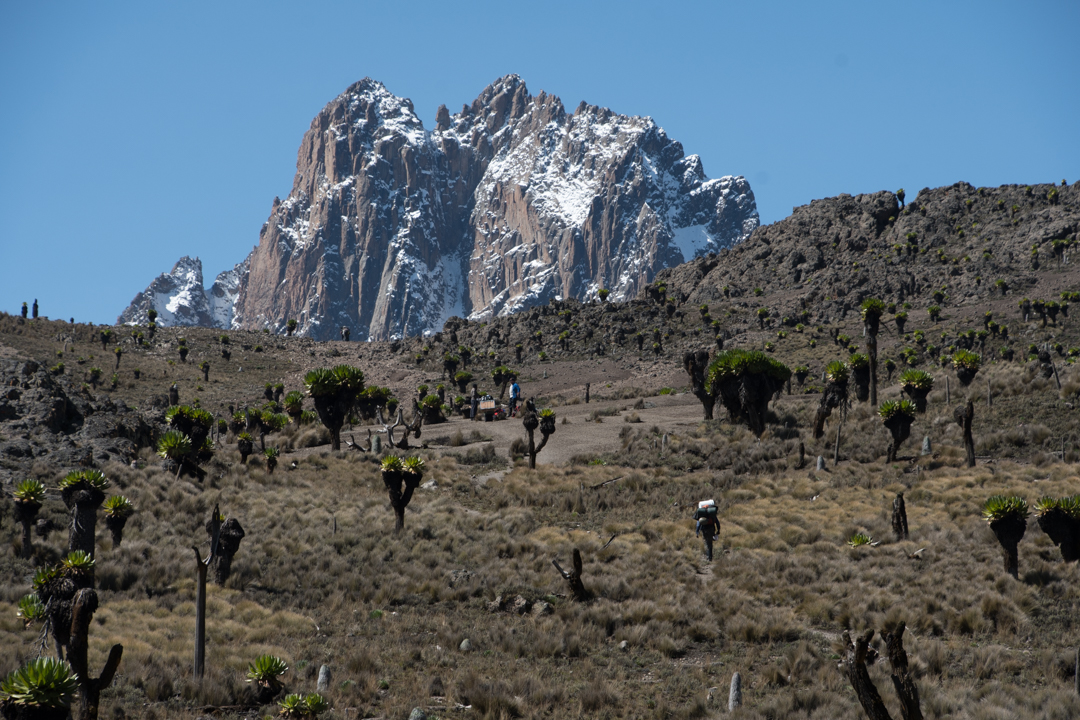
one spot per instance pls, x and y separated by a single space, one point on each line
134 133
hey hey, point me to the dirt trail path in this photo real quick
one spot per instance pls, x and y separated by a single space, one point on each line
579 436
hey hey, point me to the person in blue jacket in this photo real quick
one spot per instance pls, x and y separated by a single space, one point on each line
515 396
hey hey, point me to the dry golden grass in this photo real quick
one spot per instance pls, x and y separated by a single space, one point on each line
321 578
388 613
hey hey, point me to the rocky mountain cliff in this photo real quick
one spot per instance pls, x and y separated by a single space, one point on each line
180 298
390 228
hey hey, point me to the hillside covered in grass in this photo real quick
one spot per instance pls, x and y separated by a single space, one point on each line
321 577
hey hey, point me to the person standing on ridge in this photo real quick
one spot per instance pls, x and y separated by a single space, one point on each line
708 524
515 396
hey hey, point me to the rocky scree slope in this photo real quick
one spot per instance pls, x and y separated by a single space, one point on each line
49 418
390 229
828 256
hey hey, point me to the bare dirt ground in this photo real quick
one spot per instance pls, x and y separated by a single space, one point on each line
608 377
575 433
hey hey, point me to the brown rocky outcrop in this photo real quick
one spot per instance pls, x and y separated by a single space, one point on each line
826 257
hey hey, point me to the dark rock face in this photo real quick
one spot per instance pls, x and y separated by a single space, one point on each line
42 416
390 229
833 253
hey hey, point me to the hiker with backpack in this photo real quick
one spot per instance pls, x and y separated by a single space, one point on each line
708 524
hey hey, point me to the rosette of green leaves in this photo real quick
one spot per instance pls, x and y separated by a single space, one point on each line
44 576
860 540
919 379
31 609
893 408
30 491
177 415
77 562
998 507
293 706
1068 505
967 360
731 364
316 704
837 372
118 506
174 445
266 669
41 683
296 705
94 479
392 463
872 309
294 403
272 421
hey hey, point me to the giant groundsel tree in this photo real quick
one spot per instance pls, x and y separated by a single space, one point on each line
872 310
745 381
334 392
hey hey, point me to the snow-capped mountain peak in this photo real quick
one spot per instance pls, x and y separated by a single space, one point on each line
391 228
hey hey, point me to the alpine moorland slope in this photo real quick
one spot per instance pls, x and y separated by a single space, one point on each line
321 578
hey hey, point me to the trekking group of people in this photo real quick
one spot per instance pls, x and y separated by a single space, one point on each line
515 399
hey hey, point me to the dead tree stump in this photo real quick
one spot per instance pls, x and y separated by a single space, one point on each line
904 683
230 533
735 693
963 416
573 578
899 517
201 566
412 428
854 667
696 365
82 613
